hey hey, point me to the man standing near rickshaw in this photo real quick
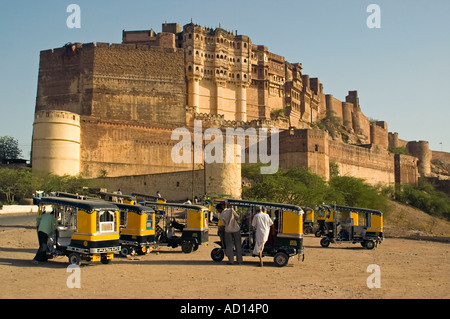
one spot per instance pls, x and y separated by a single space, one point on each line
261 223
232 233
45 224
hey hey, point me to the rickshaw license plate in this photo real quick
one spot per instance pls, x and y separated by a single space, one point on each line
96 257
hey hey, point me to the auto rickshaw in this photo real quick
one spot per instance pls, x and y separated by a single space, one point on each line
354 225
324 216
287 238
182 225
85 229
308 220
137 229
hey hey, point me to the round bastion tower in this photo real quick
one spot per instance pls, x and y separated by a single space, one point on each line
56 142
421 150
224 177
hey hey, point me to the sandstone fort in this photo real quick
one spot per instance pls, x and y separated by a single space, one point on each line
109 110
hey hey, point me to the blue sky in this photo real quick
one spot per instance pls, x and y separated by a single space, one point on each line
401 70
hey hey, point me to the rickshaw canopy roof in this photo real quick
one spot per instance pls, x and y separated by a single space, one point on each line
177 205
151 197
247 203
70 195
86 205
116 195
356 209
135 208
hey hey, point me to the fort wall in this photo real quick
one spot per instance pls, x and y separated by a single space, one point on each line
65 79
129 97
406 171
114 148
373 165
122 82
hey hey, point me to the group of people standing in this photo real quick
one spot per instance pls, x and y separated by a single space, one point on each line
231 232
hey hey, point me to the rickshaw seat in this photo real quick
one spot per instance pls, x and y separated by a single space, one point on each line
64 235
359 230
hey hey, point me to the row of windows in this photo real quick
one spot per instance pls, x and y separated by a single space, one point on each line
218 72
294 105
218 56
210 40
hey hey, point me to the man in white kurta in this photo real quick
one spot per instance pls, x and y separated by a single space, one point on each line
261 223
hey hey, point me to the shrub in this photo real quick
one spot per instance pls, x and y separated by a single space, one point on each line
424 197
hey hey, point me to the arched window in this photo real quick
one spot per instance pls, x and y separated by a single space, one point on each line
106 221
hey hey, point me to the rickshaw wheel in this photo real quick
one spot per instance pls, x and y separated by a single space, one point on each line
370 244
325 242
195 247
217 254
75 259
105 260
125 250
187 247
318 233
281 259
308 230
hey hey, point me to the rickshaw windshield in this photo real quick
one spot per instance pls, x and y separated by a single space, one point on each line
106 221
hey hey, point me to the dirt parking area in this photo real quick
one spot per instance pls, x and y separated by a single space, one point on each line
407 269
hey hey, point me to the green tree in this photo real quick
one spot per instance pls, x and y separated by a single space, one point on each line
9 148
49 182
357 193
294 186
15 184
301 187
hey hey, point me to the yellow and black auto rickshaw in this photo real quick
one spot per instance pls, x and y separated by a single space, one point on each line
324 216
352 224
182 225
85 229
308 220
137 229
286 239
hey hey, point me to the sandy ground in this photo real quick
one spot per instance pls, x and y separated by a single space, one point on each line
408 269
